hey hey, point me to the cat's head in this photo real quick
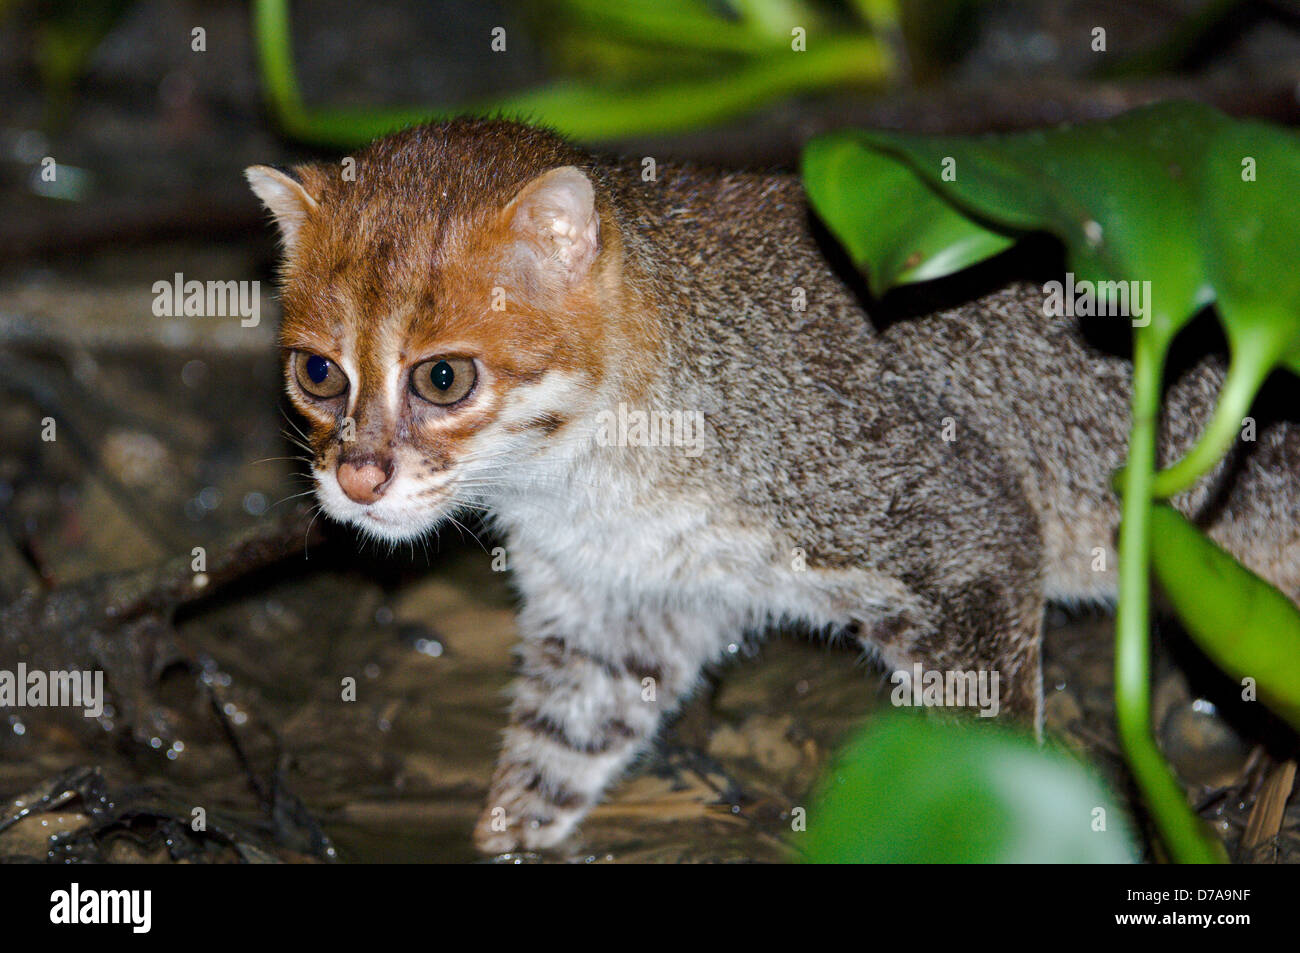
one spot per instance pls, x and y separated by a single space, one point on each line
443 297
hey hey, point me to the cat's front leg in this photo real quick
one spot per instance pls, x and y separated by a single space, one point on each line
585 703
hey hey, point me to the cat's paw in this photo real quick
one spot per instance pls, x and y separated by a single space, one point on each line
496 833
491 837
523 821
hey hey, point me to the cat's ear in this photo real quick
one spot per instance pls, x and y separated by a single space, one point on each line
555 226
286 196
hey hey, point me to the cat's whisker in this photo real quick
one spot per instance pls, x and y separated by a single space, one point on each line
465 529
319 508
298 459
293 496
289 421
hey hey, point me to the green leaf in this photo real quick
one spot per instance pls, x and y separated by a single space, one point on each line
1249 628
749 70
1116 193
1249 264
895 227
910 790
1179 195
673 25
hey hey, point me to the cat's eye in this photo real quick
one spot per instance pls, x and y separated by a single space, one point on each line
319 376
444 380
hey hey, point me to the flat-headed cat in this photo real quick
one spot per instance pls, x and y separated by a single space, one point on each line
482 317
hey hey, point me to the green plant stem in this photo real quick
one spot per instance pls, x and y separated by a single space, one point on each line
271 34
1251 363
585 111
1180 829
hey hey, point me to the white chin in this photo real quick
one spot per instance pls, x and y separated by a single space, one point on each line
393 529
388 520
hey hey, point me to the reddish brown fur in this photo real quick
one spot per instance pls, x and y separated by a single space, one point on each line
387 253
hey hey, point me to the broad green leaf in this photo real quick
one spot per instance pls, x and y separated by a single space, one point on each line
910 790
1250 221
1179 195
1249 628
1115 192
895 227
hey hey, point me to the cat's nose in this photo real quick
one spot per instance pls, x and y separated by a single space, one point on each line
364 481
